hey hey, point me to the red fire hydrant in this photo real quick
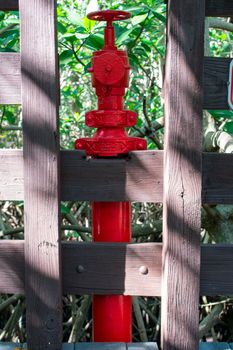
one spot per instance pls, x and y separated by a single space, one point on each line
111 221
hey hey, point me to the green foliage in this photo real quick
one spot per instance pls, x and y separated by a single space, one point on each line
142 36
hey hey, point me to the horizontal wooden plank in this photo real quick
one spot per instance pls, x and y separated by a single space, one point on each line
11 266
216 72
91 179
10 78
111 267
88 346
219 8
217 184
9 5
216 76
11 174
115 346
214 346
138 179
116 179
114 268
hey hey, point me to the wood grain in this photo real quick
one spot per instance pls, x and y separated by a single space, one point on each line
11 175
41 173
219 8
215 8
89 346
12 266
9 5
137 179
216 72
182 175
10 78
217 184
216 76
121 276
117 346
106 260
116 179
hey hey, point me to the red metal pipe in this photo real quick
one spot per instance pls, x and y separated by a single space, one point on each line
111 222
112 315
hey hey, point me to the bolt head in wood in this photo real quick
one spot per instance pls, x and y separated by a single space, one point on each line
80 269
143 270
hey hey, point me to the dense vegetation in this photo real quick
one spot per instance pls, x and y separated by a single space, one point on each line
144 38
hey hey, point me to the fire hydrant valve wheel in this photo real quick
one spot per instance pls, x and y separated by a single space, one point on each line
109 15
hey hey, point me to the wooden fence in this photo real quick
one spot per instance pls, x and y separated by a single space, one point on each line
42 266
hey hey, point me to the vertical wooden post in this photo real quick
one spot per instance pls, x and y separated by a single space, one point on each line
41 173
182 174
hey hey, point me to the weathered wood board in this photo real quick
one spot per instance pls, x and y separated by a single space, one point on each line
120 262
139 179
219 8
215 8
40 101
10 78
88 346
9 5
216 74
183 96
115 346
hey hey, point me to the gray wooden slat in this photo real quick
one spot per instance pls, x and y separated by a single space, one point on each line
11 266
66 346
142 346
215 279
100 346
219 8
216 73
216 268
9 5
139 179
216 76
10 78
116 179
40 102
214 346
11 175
182 175
217 184
116 346
106 276
10 346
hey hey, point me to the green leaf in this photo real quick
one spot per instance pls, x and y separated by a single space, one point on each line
66 56
124 36
64 209
218 114
88 24
138 19
10 32
75 19
159 16
229 127
82 35
2 15
61 28
95 42
10 116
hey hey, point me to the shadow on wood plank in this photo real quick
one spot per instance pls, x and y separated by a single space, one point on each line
214 346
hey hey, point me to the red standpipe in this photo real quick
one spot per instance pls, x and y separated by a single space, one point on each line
111 221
